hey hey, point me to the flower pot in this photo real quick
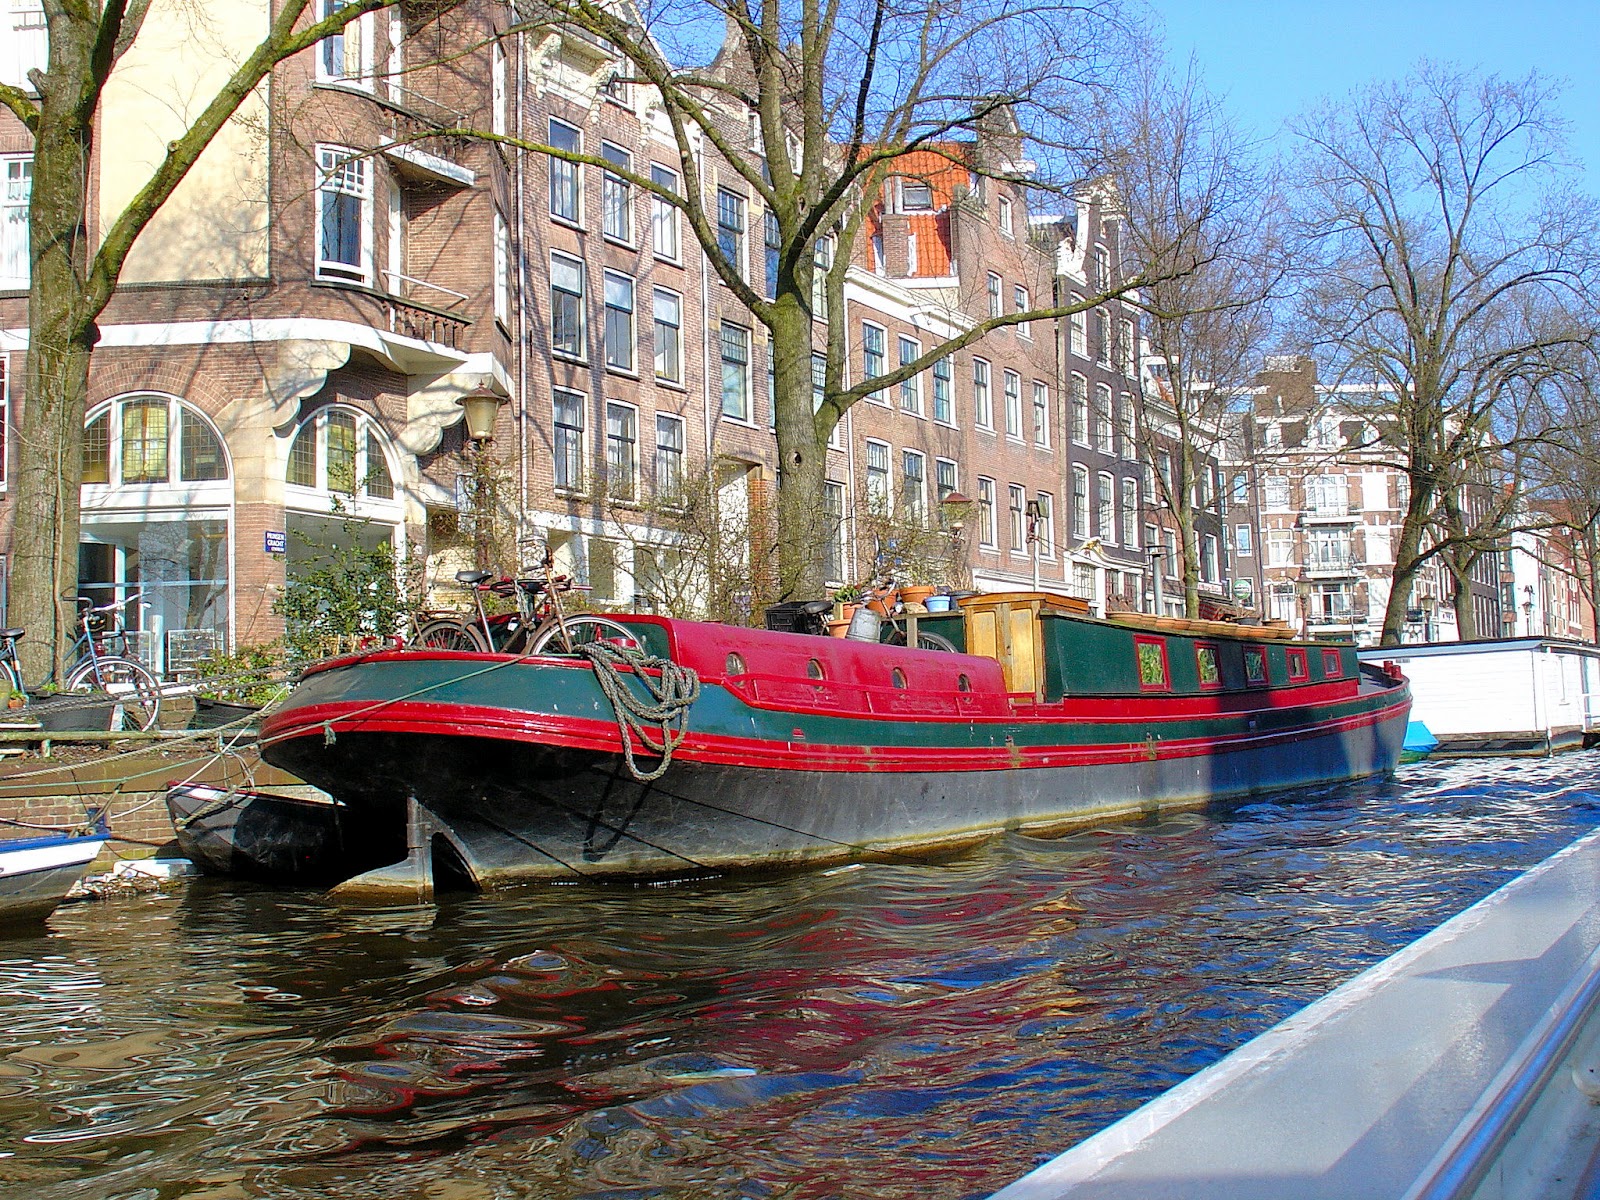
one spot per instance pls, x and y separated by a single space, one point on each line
916 595
838 628
938 604
213 714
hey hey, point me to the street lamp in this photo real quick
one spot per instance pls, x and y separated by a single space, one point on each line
954 508
1157 601
481 408
1302 588
1035 512
1527 607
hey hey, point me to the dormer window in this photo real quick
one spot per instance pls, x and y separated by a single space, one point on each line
915 196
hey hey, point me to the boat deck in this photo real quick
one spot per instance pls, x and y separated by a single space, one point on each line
1447 1070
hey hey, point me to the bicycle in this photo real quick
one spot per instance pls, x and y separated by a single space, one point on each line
135 690
538 626
883 599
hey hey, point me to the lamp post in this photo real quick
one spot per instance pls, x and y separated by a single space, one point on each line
480 408
1302 588
1157 600
954 508
1527 607
1035 514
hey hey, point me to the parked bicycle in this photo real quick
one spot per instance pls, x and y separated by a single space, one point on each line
134 690
883 600
537 626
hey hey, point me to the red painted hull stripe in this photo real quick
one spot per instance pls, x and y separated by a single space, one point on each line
463 721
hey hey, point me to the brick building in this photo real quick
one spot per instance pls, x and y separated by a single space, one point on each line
283 363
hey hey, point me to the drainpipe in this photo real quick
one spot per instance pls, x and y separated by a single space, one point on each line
520 350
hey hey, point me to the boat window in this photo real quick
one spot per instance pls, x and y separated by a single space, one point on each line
1298 671
814 669
898 678
1332 664
1255 665
1152 652
1205 661
734 664
963 684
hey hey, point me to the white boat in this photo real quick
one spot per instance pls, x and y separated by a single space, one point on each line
36 873
1527 695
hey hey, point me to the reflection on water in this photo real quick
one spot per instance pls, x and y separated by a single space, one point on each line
917 1031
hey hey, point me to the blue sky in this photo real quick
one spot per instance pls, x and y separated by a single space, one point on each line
1272 60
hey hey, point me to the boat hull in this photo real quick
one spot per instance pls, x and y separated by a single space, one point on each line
513 769
37 873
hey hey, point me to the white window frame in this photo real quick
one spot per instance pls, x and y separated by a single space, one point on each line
665 233
914 501
669 458
1130 511
16 190
1005 217
1105 507
1017 507
982 395
996 295
1041 414
944 374
868 353
1044 531
1079 433
502 270
1011 391
988 518
559 459
616 288
1080 501
569 261
616 196
335 52
1078 323
498 89
878 486
565 178
24 42
910 388
674 337
630 489
342 171
743 416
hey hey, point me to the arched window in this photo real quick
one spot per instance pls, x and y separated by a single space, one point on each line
339 450
151 439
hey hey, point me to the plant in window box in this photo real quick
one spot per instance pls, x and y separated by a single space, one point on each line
233 686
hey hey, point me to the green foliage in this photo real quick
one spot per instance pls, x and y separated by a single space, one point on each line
250 675
341 593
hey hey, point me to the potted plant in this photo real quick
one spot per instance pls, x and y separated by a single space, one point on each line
233 686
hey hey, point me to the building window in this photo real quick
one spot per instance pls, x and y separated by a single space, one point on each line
566 192
1125 355
944 478
1130 512
16 189
915 196
1013 399
996 306
772 244
877 476
498 90
616 195
1241 541
1106 506
344 216
668 310
913 486
833 549
982 407
735 372
1079 331
943 393
502 270
1276 488
24 45
1044 531
1080 502
872 352
568 449
669 457
821 264
619 321
1130 427
622 451
345 57
911 386
1104 430
566 306
1102 339
1006 220
988 533
1017 498
664 215
1041 413
730 229
144 440
1102 269
1020 303
338 451
1080 410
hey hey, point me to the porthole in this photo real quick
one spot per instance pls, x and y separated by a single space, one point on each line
898 678
733 664
963 684
814 669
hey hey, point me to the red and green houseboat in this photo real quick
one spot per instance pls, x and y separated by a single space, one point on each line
796 749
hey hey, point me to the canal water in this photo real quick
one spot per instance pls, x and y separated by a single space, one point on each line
909 1030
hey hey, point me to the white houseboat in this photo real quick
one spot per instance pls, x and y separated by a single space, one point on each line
1527 695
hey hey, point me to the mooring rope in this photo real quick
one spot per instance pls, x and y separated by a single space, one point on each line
672 691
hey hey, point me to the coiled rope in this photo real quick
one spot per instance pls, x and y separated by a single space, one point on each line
671 691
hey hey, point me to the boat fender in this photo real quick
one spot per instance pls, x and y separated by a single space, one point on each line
328 735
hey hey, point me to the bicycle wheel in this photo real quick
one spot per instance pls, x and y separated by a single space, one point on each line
925 641
448 633
135 691
581 630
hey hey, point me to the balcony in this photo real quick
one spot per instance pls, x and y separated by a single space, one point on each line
1330 514
1335 566
425 323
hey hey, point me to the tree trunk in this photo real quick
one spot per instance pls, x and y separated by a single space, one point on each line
802 518
1466 614
1406 566
44 542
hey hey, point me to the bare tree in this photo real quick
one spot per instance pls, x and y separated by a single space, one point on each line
1439 238
1560 487
815 106
75 271
1203 215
